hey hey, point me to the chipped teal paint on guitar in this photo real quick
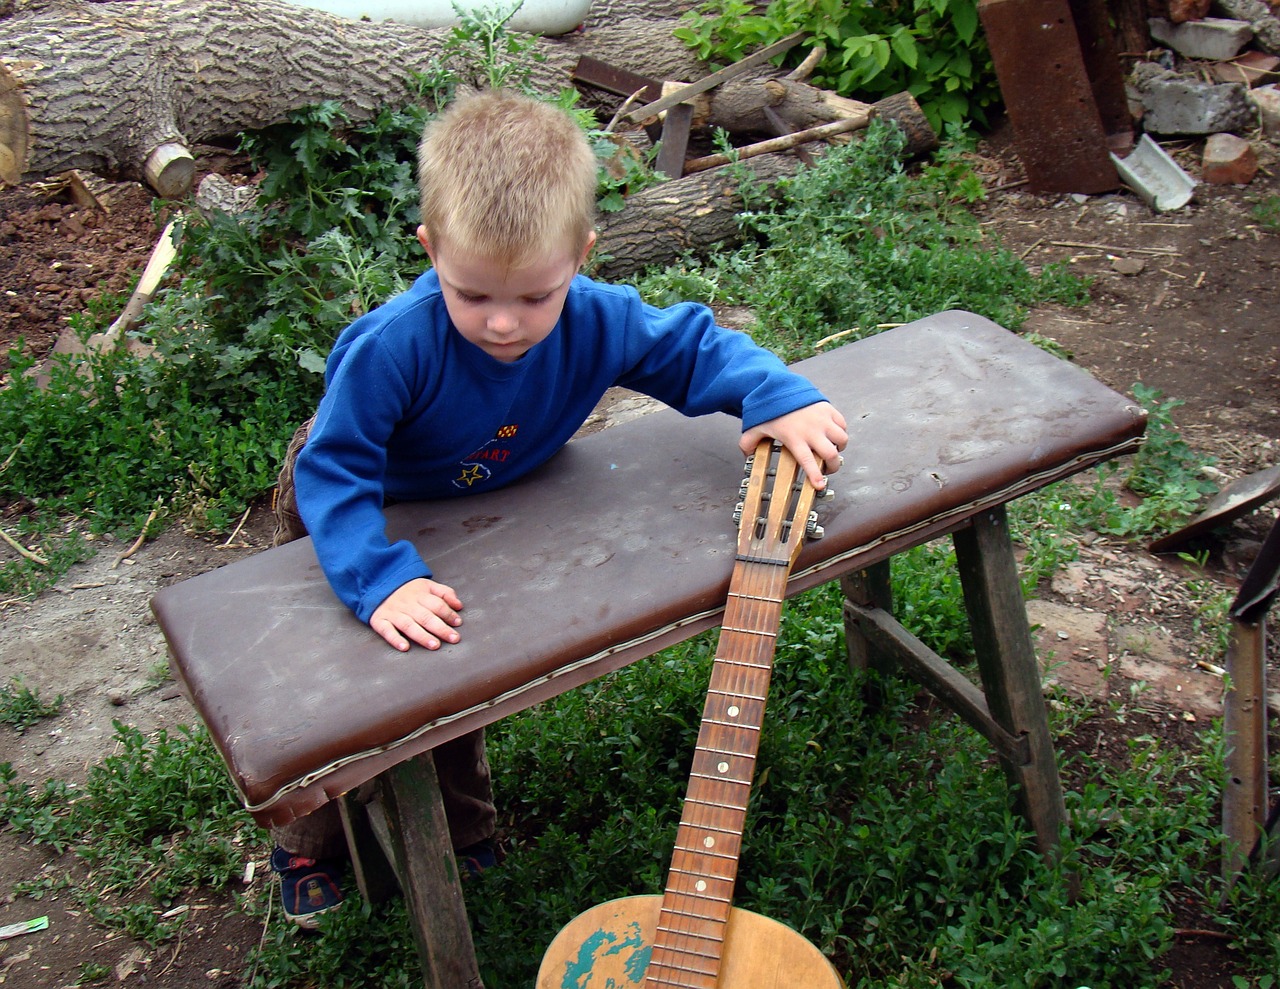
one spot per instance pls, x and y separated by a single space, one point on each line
610 945
624 949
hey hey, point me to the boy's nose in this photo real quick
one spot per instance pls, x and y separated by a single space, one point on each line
502 321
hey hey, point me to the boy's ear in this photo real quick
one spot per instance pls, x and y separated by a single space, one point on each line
425 241
586 251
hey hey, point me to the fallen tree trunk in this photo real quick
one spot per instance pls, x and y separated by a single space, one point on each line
135 84
701 210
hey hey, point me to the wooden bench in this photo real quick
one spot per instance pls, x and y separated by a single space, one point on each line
622 545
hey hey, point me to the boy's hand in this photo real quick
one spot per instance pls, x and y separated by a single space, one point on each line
815 435
421 611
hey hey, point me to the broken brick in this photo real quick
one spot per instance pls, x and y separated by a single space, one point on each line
1229 160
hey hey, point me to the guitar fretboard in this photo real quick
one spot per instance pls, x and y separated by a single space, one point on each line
689 939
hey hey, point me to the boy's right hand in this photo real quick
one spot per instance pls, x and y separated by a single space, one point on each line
421 611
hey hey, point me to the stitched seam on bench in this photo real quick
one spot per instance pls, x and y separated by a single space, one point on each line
316 775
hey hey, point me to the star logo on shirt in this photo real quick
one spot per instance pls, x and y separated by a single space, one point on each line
470 475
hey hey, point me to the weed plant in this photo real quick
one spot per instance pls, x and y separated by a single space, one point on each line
858 242
21 706
931 49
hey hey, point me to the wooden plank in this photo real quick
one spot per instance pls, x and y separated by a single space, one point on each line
1244 729
422 854
675 141
367 841
869 587
943 680
1008 666
716 78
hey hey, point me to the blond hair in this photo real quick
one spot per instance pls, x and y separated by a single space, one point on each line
507 177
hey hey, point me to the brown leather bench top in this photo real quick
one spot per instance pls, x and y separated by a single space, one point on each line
619 546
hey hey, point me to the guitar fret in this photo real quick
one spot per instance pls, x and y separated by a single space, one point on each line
714 750
731 724
686 970
703 894
714 805
707 853
718 830
754 597
691 935
722 779
681 983
715 918
750 631
737 695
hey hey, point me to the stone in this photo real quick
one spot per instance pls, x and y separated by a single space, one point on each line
1252 68
1072 647
1213 38
1228 160
1182 104
1185 10
1266 100
1128 266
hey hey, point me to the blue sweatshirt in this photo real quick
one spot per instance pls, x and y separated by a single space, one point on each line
413 411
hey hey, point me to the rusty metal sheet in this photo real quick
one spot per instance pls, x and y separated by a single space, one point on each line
1048 95
1237 499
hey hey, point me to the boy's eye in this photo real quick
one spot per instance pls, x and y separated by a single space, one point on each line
535 300
473 299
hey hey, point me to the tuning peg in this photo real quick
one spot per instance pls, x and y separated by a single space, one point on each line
737 512
826 494
811 529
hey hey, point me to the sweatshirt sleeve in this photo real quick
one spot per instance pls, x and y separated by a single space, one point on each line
339 480
680 356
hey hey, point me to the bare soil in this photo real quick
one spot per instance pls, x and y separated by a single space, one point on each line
1186 302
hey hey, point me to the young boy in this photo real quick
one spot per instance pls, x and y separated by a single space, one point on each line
476 375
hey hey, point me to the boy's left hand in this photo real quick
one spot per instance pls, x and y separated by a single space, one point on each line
815 435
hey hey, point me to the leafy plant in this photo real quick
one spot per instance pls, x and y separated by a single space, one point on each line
931 49
155 818
1267 212
857 242
21 706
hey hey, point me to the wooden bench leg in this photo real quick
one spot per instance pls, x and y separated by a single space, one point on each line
1010 673
366 829
408 821
868 588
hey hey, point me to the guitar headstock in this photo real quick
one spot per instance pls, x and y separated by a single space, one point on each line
775 513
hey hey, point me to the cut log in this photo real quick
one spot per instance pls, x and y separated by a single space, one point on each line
694 213
134 84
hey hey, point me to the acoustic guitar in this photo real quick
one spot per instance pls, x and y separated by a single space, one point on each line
692 937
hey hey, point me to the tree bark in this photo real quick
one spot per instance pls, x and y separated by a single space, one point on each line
134 81
691 214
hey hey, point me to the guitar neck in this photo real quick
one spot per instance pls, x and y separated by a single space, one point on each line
695 909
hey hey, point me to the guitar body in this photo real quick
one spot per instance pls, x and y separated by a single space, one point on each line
608 947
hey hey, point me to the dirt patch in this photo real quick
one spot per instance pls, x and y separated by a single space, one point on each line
1187 303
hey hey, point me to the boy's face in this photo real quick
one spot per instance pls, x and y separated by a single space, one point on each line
502 310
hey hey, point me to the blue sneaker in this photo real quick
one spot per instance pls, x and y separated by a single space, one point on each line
308 887
480 857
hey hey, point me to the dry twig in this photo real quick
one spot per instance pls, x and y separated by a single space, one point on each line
22 550
142 538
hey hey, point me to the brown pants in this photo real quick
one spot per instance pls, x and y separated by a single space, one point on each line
461 765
